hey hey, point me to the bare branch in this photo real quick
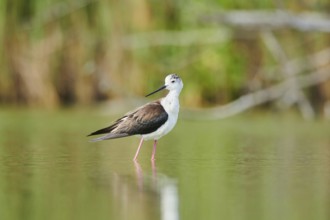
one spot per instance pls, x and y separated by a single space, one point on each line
295 93
262 96
266 20
298 65
319 60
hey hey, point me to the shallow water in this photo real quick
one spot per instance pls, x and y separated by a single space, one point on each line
247 167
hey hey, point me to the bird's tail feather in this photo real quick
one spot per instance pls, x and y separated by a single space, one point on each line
109 136
103 130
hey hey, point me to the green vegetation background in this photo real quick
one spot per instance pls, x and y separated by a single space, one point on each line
57 53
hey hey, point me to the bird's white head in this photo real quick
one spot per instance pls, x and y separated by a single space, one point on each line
172 83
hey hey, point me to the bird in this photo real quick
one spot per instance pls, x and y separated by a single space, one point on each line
151 121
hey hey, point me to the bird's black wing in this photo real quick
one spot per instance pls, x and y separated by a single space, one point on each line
143 120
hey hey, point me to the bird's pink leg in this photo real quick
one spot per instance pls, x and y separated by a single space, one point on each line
154 150
138 150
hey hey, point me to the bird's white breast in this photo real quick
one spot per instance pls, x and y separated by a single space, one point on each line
171 106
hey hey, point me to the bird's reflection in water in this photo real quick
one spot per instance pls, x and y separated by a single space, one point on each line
147 194
164 186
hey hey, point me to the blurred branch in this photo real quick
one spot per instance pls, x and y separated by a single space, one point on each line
266 20
296 95
175 38
259 97
298 65
272 93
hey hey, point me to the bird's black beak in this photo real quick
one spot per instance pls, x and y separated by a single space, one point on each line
161 88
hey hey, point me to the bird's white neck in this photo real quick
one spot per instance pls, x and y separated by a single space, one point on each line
171 102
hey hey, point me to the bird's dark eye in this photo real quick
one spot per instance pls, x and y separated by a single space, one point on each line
172 81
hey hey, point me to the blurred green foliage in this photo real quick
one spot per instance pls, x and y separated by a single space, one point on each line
81 51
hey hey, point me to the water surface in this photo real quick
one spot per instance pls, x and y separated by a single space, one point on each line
248 167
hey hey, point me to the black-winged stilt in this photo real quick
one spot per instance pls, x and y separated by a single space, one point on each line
152 120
